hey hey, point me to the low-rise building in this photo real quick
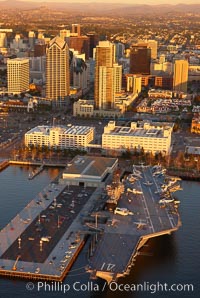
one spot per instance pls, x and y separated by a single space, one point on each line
152 137
157 93
195 125
89 171
85 108
61 137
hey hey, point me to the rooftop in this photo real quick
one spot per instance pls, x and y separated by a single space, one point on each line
139 132
59 41
139 129
89 165
72 130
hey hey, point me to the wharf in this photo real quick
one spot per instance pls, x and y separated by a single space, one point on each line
36 172
185 174
44 239
4 164
37 163
124 236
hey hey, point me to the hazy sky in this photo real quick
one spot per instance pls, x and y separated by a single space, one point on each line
119 1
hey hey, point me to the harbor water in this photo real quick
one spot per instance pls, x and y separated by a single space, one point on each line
163 262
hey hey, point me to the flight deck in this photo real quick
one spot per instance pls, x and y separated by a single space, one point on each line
144 210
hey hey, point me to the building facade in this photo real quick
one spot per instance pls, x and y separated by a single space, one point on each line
133 83
57 72
151 137
3 40
140 59
153 45
83 107
195 125
76 30
180 75
62 137
108 76
80 44
89 171
93 42
39 49
18 75
80 71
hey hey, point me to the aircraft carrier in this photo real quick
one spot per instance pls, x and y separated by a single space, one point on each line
144 208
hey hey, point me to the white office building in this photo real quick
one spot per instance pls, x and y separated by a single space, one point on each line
61 137
18 75
152 137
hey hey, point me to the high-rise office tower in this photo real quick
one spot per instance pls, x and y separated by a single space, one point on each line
3 40
18 75
140 59
39 49
80 44
133 83
57 71
117 77
119 50
76 30
64 33
153 45
93 42
31 39
107 76
180 75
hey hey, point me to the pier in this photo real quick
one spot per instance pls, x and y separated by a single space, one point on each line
4 164
37 163
185 174
36 172
44 239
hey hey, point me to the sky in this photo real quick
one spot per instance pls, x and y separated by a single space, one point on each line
118 1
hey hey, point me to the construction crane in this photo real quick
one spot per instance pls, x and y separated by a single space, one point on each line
15 264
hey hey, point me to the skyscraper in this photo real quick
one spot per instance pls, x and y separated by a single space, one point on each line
117 77
153 45
18 75
93 42
140 59
180 75
108 76
76 30
31 39
57 71
3 40
80 44
64 33
39 49
134 83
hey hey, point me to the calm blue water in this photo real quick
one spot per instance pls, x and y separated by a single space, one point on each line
169 259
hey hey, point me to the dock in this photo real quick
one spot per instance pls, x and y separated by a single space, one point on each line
4 164
36 172
44 239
